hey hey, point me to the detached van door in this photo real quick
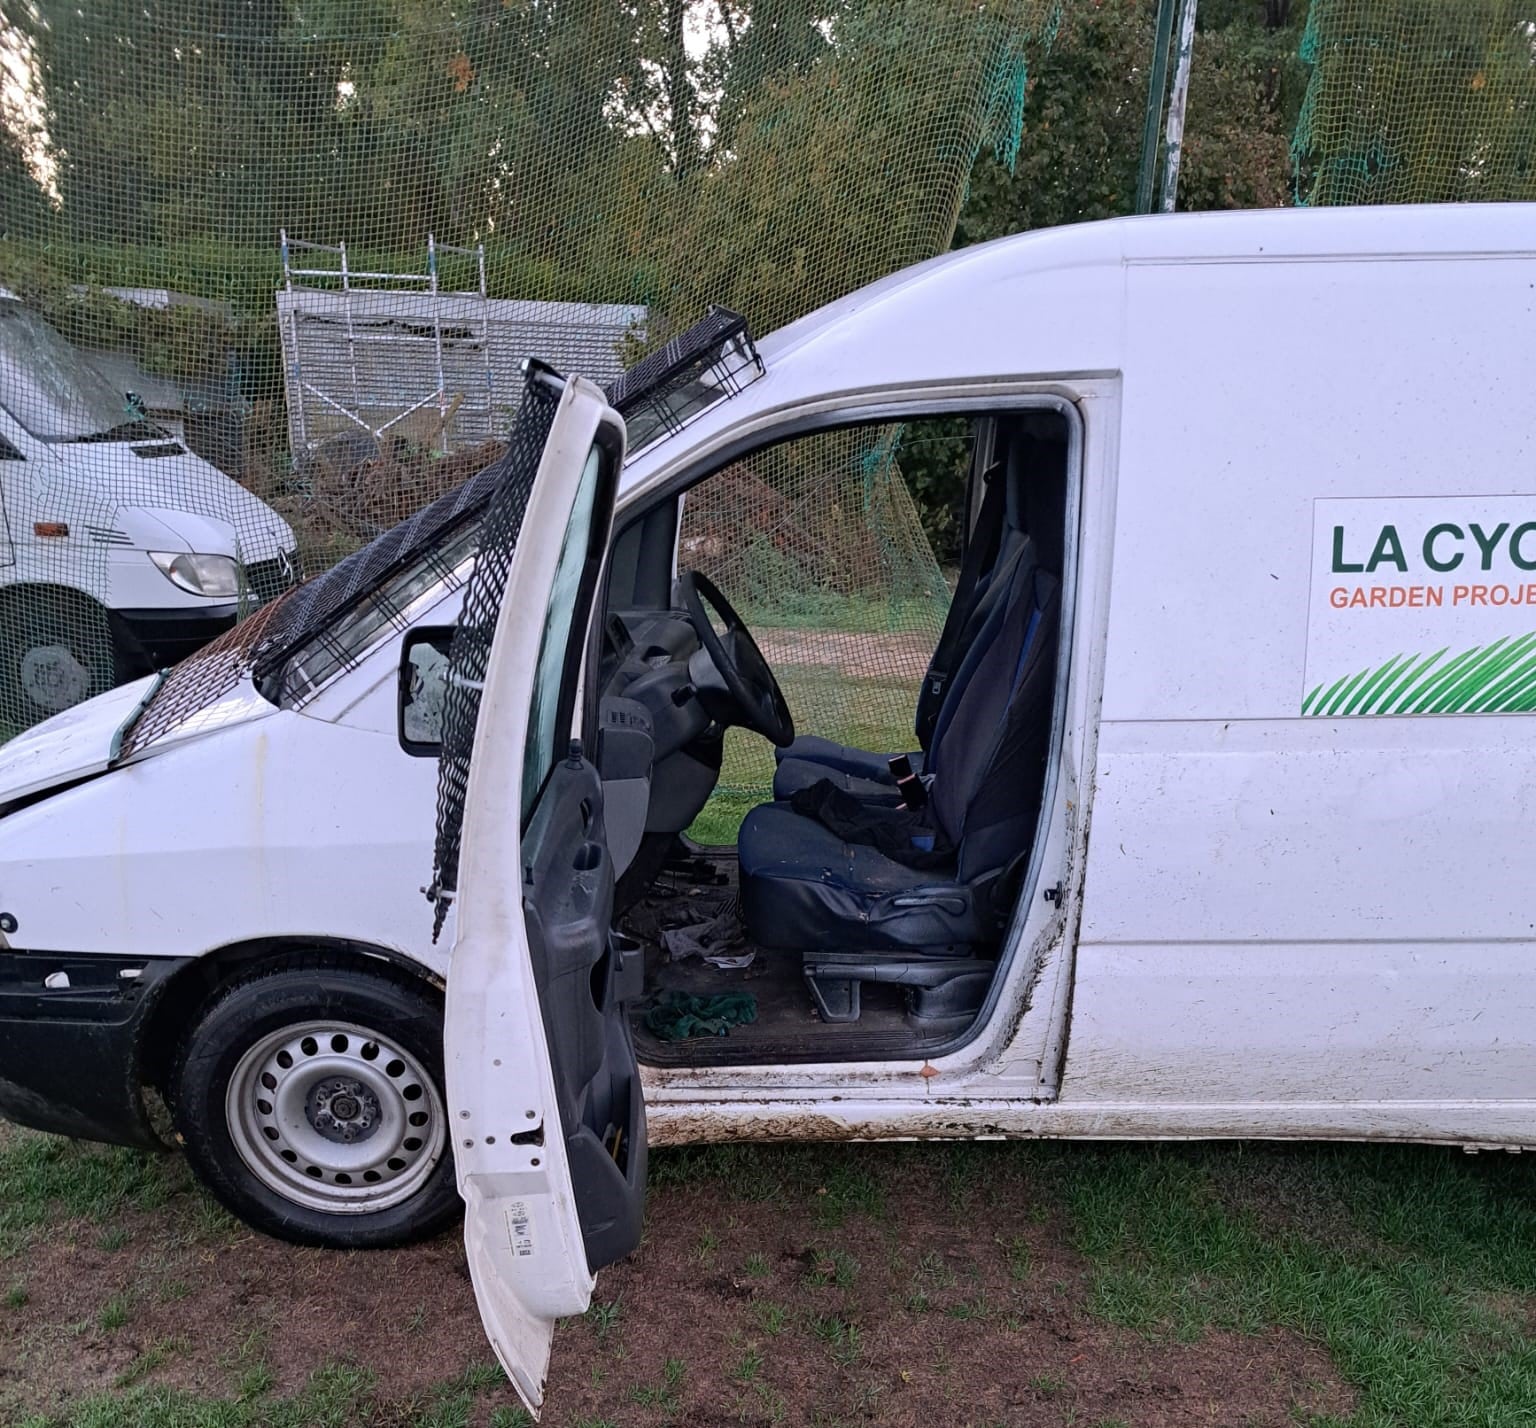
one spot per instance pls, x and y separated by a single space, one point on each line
542 1082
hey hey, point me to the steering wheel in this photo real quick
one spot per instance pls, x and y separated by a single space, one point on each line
737 660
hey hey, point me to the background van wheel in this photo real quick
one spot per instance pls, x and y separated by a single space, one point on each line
309 1098
55 652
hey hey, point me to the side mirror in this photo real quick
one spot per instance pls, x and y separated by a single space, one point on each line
423 687
136 405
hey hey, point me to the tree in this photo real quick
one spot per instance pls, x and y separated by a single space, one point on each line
1082 129
1418 101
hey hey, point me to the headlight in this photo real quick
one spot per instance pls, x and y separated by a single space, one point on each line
199 574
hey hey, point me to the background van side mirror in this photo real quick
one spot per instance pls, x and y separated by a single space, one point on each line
423 686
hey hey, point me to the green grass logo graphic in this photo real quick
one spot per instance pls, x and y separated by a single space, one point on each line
1499 678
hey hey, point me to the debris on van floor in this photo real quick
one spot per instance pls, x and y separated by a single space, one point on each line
677 1016
720 940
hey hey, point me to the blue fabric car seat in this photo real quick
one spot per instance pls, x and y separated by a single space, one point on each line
803 887
999 545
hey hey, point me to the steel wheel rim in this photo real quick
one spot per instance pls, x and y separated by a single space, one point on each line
52 678
334 1117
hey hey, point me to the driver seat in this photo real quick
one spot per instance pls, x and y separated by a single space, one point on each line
1015 502
857 914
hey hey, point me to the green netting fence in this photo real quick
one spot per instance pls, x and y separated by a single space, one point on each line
268 267
313 241
1418 101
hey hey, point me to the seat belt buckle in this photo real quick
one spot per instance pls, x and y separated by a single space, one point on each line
914 794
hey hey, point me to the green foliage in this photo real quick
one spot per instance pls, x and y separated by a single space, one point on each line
1082 125
1418 101
594 151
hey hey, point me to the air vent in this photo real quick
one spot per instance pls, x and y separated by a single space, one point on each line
107 535
164 448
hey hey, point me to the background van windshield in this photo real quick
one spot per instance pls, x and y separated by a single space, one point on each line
50 389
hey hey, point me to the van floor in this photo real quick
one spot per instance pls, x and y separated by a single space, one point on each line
787 1028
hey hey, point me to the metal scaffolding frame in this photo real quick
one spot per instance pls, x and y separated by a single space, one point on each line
360 292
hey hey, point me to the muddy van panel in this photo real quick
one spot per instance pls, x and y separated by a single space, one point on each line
1314 770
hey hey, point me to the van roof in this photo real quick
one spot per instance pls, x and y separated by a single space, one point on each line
1052 301
1385 231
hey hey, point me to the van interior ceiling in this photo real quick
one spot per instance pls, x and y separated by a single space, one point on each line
861 912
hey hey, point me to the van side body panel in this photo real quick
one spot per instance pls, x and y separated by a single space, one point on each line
1297 909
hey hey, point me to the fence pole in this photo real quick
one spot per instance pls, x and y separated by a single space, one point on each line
1176 107
1157 88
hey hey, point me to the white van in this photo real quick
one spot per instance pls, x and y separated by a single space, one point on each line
1214 844
120 550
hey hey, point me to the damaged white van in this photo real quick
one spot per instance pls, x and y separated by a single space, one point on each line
1196 834
120 550
1220 825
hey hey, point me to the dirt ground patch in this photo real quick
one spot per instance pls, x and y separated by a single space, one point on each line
898 654
869 1286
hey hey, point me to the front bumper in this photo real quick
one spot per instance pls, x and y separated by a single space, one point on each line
71 1056
148 640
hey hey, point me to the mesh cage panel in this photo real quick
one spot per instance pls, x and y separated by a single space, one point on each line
470 653
315 243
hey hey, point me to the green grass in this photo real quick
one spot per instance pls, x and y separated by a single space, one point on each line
663 1395
835 1266
116 1312
604 1318
151 1359
843 1340
47 1177
771 1318
335 1395
1414 1268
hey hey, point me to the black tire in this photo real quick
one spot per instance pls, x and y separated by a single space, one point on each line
55 651
225 1048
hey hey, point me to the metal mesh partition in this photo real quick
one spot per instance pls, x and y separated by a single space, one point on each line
471 651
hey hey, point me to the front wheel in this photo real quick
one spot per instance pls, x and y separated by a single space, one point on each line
55 651
309 1099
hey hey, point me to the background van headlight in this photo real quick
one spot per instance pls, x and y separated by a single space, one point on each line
199 574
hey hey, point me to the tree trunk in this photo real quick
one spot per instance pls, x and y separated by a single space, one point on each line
685 142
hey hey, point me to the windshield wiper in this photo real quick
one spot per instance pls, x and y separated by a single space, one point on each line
136 430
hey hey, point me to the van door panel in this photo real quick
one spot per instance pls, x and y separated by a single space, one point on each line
1281 908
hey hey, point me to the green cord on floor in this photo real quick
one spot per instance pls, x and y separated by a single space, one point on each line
676 1016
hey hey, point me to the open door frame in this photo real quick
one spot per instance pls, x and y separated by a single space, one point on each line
549 1129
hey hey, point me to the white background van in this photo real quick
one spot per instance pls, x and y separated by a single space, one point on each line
1256 676
120 549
